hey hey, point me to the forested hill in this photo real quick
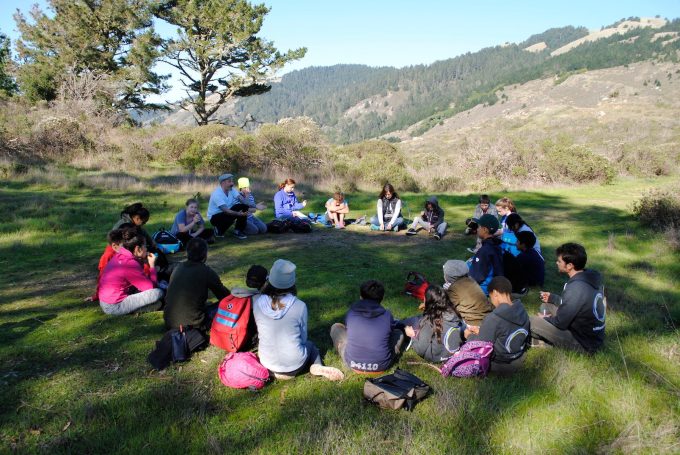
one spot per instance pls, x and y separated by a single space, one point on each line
356 102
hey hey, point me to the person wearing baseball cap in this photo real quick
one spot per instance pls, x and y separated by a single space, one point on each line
224 208
487 262
281 320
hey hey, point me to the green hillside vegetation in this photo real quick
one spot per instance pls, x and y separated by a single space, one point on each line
438 91
76 381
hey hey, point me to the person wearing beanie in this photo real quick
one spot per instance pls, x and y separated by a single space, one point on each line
254 225
281 320
370 339
187 294
487 262
225 209
507 327
467 298
432 219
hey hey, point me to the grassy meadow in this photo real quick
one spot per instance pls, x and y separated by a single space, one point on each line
75 380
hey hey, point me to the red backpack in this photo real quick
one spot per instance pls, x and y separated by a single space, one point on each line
416 285
229 330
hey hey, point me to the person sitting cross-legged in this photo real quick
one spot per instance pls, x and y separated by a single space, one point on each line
576 319
432 219
487 262
370 339
187 294
507 327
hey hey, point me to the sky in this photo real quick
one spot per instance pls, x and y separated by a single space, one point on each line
401 33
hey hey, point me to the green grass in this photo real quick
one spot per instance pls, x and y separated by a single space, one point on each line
75 380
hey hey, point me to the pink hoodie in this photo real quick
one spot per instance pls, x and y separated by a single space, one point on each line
122 272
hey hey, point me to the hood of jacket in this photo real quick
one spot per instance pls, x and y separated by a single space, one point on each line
591 277
368 308
514 314
264 303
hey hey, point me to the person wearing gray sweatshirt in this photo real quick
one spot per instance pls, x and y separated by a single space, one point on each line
281 320
576 319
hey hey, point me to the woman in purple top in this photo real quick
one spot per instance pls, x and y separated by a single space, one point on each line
189 224
286 204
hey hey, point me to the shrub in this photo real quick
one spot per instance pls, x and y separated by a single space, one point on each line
449 183
373 163
58 139
563 160
175 146
658 209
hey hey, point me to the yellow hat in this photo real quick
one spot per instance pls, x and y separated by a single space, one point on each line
243 182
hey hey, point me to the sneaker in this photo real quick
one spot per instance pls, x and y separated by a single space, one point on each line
330 373
239 235
217 233
472 250
411 231
522 292
396 228
375 227
437 236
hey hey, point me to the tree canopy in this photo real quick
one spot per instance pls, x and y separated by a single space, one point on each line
7 85
218 53
112 38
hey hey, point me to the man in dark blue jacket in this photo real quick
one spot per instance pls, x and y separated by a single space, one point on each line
369 341
576 319
488 260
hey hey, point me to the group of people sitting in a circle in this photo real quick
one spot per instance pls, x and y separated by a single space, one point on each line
478 300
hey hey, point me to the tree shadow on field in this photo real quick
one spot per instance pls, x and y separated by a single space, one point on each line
113 402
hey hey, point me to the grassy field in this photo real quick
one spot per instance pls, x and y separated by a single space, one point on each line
75 380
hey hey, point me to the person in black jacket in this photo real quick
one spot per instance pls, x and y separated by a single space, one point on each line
507 327
576 319
432 219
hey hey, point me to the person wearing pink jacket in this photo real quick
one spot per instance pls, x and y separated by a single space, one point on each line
123 286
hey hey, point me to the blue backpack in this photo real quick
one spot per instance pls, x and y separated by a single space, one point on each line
166 242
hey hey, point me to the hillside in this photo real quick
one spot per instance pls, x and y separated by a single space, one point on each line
357 102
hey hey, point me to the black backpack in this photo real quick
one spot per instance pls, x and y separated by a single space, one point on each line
278 226
400 389
301 226
166 242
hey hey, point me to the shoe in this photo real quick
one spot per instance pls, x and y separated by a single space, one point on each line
437 236
522 292
342 225
411 231
472 250
239 235
217 233
395 228
375 227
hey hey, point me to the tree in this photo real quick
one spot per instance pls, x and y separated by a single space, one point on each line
218 53
7 85
112 38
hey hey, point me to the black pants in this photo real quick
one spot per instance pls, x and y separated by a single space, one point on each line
222 221
184 237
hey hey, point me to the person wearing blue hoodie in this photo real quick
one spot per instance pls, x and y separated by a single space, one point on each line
281 320
488 260
370 339
576 319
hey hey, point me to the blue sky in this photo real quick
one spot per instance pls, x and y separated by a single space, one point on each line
401 33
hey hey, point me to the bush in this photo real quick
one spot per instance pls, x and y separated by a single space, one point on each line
58 139
565 161
175 146
658 209
372 163
450 183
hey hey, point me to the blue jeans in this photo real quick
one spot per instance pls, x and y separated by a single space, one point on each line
254 226
395 222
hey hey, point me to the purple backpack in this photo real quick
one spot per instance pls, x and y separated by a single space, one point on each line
471 360
242 370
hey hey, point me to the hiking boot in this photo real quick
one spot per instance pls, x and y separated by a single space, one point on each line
239 235
411 231
437 236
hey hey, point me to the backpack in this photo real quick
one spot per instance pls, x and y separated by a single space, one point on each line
242 370
167 242
278 226
400 389
416 285
301 226
229 330
471 360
